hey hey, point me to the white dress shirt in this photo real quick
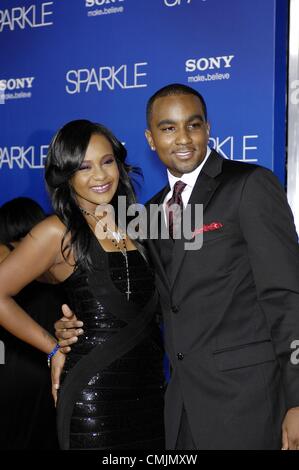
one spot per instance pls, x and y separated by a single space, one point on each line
189 179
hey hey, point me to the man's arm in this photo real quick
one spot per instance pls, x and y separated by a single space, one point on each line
268 227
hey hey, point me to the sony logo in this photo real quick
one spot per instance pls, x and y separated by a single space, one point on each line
208 63
16 83
92 3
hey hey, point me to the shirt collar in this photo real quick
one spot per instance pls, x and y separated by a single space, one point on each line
188 178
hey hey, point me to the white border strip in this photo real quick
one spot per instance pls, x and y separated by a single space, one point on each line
293 113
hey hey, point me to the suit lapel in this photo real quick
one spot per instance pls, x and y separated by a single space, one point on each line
202 193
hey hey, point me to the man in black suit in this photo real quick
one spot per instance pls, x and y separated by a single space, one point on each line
231 308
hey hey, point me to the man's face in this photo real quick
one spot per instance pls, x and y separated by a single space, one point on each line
178 132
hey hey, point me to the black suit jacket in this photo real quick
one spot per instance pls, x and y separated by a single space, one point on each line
231 312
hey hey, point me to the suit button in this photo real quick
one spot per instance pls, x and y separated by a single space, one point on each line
175 309
180 356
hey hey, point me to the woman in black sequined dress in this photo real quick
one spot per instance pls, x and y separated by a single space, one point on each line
112 384
121 403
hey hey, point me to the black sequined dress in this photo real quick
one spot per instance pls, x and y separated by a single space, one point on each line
112 392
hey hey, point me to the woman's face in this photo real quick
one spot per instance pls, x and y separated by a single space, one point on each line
97 179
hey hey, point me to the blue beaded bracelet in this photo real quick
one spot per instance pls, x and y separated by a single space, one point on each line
52 353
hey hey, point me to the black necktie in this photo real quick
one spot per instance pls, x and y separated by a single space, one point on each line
176 198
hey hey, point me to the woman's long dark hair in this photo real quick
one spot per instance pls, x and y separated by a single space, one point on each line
17 218
65 156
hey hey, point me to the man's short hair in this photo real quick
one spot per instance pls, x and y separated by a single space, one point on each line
170 90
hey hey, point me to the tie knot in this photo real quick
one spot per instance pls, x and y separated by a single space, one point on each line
178 188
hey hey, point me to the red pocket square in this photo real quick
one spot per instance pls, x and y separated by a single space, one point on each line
208 228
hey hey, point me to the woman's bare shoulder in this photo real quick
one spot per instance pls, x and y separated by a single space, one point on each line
51 228
4 252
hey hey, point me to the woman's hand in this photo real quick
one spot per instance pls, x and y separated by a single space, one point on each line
67 329
57 364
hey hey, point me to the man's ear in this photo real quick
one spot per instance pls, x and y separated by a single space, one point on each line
150 140
208 129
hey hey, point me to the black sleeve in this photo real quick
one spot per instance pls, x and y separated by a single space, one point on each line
268 227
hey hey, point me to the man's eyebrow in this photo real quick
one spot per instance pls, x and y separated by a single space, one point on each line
196 116
164 122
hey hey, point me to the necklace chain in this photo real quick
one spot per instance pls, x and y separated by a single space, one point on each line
117 237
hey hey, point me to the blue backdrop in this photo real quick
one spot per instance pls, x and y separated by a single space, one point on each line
101 60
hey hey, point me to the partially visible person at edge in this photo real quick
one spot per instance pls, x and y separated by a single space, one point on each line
27 412
231 308
112 392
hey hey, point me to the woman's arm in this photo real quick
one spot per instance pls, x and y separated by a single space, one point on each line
37 253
